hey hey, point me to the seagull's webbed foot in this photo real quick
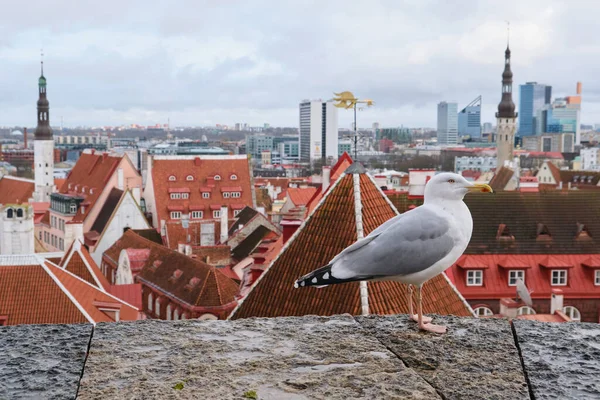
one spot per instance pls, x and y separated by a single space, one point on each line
426 320
433 328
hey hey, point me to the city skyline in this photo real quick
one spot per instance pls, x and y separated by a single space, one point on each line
149 64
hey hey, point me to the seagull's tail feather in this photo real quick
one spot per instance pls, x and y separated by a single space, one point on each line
322 277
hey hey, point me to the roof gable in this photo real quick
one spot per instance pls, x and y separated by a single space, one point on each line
15 190
78 261
329 229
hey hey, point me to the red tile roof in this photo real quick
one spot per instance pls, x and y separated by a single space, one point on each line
91 171
131 294
33 291
301 196
501 179
214 289
15 190
78 261
580 283
336 171
202 169
329 229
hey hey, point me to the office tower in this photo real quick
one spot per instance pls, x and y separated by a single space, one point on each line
469 120
447 123
533 97
318 130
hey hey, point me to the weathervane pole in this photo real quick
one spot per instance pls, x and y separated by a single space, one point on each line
347 100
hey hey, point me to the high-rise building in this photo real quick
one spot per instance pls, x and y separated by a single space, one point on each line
256 144
318 130
563 117
43 146
469 120
487 127
447 123
533 99
506 117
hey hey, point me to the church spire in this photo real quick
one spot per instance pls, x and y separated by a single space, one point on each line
506 108
43 130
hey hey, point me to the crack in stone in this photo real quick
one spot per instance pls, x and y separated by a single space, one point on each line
516 339
442 396
87 354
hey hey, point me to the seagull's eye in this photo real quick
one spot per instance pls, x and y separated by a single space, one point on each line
450 180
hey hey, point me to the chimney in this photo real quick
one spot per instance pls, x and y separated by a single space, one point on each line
579 88
181 248
326 177
104 156
25 138
569 185
224 225
556 301
560 185
290 224
509 308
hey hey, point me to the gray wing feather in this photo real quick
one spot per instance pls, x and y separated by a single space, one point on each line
408 243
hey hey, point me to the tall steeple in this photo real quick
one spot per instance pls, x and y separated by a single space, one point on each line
43 130
43 146
506 117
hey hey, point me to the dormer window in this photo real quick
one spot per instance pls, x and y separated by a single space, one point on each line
233 177
19 213
475 277
176 275
185 195
525 310
206 195
172 178
514 275
236 195
9 213
189 178
582 232
192 283
543 233
73 208
92 191
558 277
175 196
217 177
225 195
503 233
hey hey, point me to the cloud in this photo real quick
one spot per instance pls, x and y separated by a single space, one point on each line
206 62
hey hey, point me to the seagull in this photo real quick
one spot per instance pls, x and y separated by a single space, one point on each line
412 247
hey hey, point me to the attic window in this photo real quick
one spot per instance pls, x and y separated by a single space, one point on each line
172 178
582 232
176 275
92 191
155 265
233 177
217 177
189 178
542 232
504 233
192 283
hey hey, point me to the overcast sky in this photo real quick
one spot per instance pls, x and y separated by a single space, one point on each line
207 62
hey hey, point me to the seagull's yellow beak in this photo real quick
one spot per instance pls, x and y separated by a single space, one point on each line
480 187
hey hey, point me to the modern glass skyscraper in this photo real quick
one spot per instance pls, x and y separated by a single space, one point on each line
533 97
469 120
447 123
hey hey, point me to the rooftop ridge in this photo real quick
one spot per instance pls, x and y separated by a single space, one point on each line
18 178
201 157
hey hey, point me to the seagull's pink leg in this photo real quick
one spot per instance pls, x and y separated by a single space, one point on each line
423 325
411 312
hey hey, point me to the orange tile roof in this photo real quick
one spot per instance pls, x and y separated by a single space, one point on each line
91 171
301 196
501 179
131 293
214 288
336 171
202 169
15 190
329 229
34 291
78 261
59 182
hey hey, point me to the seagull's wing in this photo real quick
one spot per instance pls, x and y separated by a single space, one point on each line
409 243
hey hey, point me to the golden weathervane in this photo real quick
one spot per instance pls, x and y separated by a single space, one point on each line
347 100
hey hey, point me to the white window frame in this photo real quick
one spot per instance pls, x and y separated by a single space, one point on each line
217 177
475 277
514 275
597 277
225 195
561 275
157 306
73 208
172 178
573 313
206 195
150 302
236 195
176 314
169 312
185 196
197 214
216 213
233 177
526 310
483 312
189 178
175 196
175 214
236 212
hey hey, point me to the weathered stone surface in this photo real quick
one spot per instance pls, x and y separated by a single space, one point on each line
283 358
562 361
476 359
42 361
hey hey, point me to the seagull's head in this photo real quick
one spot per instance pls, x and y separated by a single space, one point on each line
451 186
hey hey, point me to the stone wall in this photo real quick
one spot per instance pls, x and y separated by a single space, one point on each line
310 357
